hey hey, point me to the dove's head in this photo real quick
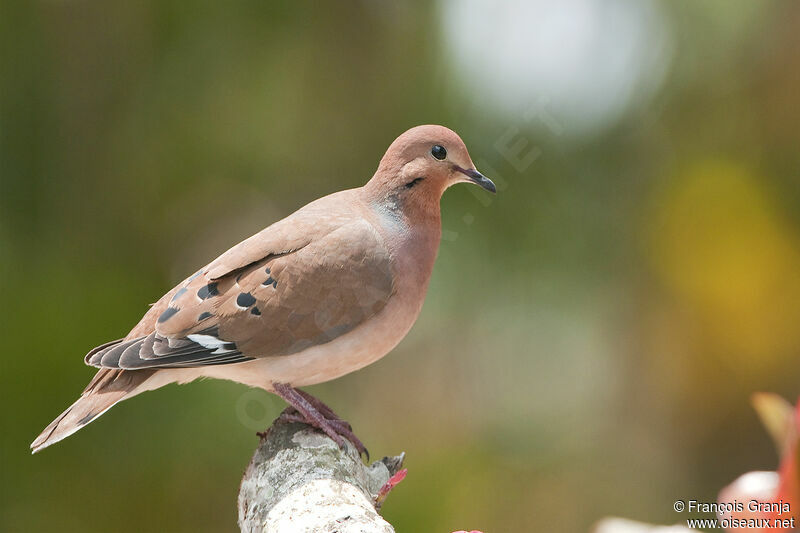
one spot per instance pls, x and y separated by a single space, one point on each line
420 164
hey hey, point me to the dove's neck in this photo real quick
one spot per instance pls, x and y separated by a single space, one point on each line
411 231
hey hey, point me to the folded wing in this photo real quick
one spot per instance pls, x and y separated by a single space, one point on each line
244 307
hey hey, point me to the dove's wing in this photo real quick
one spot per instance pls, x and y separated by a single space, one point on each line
242 306
312 222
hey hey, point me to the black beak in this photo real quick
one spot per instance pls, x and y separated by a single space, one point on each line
478 179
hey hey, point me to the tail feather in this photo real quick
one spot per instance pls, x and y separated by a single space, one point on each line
108 387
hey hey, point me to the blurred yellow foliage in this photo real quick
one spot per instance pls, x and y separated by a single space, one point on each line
721 246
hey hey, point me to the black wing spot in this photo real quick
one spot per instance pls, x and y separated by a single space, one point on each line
270 281
245 299
267 270
166 315
255 311
204 315
208 291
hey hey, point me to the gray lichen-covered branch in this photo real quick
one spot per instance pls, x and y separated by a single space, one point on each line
299 480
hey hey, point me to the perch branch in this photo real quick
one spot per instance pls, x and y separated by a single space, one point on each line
299 480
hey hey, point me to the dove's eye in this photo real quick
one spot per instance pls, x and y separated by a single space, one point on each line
438 152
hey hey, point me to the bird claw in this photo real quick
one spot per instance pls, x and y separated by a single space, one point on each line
345 430
290 415
328 422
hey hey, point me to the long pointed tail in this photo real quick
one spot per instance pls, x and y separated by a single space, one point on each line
108 387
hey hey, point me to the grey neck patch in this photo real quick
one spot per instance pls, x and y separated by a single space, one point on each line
390 210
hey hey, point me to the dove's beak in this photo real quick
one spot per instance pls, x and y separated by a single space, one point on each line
478 178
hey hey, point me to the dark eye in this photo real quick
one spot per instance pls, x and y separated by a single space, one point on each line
438 152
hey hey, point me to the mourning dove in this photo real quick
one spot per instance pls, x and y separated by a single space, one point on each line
324 292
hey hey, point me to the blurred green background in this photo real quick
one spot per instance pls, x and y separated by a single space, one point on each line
592 334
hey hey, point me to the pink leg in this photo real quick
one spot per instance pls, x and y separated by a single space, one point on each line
306 408
326 411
